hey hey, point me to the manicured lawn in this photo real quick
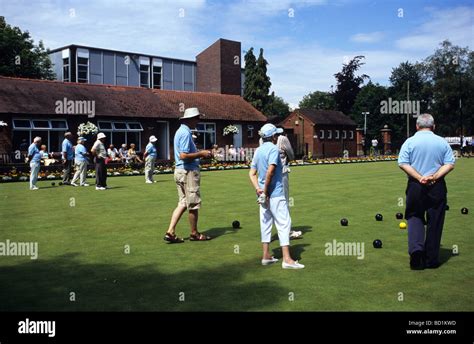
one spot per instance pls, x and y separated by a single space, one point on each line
81 247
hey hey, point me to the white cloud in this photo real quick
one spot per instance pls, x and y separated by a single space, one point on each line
371 37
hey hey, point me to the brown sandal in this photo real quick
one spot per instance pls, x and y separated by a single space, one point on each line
199 237
172 238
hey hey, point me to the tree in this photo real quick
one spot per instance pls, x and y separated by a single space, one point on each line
20 57
277 107
450 73
257 83
318 100
348 84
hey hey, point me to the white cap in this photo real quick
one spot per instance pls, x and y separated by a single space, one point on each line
268 130
101 136
37 139
191 112
153 138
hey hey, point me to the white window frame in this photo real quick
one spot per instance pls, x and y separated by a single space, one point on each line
351 134
31 129
144 61
214 131
344 134
330 134
157 63
65 55
82 53
336 134
126 131
321 134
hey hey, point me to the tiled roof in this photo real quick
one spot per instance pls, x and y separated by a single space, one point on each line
38 97
326 117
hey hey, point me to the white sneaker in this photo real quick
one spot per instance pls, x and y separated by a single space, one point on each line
295 234
74 184
149 182
34 188
85 184
100 188
295 265
269 261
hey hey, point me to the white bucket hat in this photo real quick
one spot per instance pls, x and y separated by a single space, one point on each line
153 138
191 112
101 136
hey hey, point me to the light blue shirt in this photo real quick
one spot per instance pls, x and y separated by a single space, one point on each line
80 153
67 148
34 152
265 155
426 152
151 150
183 143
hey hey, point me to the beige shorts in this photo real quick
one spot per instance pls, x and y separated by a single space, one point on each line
188 183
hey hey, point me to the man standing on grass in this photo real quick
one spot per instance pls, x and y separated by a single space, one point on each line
286 155
34 158
67 152
266 176
187 177
100 154
80 162
150 158
426 158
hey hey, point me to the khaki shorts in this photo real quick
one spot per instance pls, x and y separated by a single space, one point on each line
188 183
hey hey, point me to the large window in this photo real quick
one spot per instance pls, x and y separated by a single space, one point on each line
66 65
157 73
206 135
83 65
144 72
119 132
51 132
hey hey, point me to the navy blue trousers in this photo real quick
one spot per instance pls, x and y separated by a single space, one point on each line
425 206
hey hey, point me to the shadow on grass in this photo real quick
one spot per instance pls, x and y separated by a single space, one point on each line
444 255
302 229
45 285
220 231
295 250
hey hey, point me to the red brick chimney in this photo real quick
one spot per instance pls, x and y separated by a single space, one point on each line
219 68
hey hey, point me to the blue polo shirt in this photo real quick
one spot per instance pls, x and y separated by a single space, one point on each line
426 152
35 153
80 152
151 150
67 148
183 143
265 155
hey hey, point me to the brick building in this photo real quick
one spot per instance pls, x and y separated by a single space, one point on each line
321 133
126 114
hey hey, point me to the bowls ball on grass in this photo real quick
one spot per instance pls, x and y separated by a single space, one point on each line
344 222
464 211
402 225
379 217
399 216
236 224
377 243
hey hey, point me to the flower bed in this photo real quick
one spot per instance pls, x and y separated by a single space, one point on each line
14 175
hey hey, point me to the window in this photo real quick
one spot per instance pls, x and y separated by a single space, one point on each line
351 135
250 130
329 134
206 135
144 72
344 134
119 133
21 123
51 132
337 134
157 72
66 65
82 65
321 134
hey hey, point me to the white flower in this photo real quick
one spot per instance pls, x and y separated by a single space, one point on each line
231 129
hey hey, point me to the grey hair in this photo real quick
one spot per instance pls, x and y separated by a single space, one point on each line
425 120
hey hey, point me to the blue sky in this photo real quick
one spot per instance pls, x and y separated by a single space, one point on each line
305 41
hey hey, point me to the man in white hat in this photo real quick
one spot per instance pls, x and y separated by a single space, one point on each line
100 154
266 176
187 177
150 158
80 162
34 158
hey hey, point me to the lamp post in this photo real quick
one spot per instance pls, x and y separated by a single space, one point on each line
365 113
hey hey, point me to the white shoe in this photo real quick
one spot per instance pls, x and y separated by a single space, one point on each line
74 184
100 188
34 188
295 234
295 265
85 184
269 261
149 182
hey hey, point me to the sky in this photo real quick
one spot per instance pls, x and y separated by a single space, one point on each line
305 42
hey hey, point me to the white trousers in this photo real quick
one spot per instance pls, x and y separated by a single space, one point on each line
276 212
35 168
149 168
81 172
